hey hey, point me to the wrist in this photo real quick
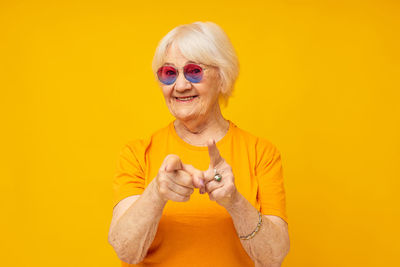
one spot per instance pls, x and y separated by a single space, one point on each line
155 194
234 203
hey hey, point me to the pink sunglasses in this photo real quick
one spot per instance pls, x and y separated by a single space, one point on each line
168 74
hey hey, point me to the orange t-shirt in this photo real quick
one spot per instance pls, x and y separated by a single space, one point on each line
200 232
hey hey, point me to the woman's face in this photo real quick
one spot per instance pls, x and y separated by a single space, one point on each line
186 100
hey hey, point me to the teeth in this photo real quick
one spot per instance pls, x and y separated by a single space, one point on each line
185 98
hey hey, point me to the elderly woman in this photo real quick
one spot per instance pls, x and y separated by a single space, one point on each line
200 191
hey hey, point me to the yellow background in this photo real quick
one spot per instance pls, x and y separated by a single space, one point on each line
320 79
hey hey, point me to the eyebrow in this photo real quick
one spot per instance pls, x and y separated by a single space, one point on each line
187 62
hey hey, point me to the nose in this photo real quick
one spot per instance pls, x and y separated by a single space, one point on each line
181 84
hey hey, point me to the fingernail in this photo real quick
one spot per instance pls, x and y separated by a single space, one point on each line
201 183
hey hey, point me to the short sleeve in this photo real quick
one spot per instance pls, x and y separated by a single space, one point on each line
129 178
271 190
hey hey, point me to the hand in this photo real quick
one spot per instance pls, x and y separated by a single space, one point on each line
223 192
175 181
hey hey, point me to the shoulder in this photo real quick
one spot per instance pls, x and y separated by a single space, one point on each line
260 144
260 149
139 146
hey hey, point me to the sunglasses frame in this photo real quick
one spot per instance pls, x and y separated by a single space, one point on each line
178 72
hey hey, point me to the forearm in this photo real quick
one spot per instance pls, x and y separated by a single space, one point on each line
134 232
270 245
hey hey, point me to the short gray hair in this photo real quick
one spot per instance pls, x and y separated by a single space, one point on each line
206 43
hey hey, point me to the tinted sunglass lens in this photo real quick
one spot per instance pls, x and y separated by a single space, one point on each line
167 74
193 72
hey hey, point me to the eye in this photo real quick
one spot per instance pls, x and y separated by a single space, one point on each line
170 72
195 70
167 74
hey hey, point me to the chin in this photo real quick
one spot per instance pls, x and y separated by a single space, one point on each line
185 115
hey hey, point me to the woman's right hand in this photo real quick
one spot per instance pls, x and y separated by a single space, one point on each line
176 181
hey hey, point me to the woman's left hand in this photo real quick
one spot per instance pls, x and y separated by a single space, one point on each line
223 192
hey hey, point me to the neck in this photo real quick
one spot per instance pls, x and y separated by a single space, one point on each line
199 131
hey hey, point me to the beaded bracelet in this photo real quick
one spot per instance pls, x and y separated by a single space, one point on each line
247 237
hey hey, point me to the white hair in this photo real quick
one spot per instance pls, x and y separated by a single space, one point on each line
206 43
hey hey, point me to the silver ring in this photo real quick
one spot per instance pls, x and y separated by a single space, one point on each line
217 176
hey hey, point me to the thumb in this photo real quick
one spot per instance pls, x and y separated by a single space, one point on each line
172 163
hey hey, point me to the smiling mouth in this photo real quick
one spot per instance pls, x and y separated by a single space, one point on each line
185 99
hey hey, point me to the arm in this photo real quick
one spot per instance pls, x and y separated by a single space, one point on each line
271 244
135 221
133 230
